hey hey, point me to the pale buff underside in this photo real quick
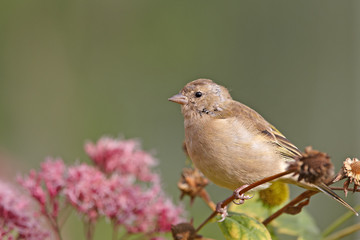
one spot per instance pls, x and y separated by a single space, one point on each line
245 159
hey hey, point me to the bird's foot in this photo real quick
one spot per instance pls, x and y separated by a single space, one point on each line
222 211
241 197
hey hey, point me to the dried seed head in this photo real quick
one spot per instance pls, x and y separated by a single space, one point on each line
313 166
183 231
351 171
191 183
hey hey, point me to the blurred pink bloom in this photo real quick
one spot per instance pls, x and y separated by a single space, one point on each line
52 175
33 184
120 195
154 214
122 156
167 214
85 188
17 220
139 207
121 199
121 187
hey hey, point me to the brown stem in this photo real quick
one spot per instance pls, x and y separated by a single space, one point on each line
89 229
251 186
298 199
53 223
342 189
205 196
292 203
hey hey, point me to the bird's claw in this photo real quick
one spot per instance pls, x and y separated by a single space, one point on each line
222 210
241 197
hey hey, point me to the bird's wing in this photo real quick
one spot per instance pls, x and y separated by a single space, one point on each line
286 148
250 116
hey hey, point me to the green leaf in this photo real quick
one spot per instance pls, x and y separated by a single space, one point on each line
301 225
253 208
241 226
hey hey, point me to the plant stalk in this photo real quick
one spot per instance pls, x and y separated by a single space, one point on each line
251 186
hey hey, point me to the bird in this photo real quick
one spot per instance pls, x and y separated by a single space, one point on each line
232 144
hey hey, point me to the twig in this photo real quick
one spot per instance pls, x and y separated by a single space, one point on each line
251 186
342 188
89 229
205 196
53 223
293 202
304 195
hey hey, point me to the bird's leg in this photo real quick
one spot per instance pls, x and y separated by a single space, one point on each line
222 211
241 197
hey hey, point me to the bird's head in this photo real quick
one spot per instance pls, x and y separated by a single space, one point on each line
200 97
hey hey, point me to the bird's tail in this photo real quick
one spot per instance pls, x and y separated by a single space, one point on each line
327 190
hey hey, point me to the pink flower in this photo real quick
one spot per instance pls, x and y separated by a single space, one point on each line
16 217
33 184
167 214
121 187
155 216
52 175
125 157
137 205
119 196
140 209
85 189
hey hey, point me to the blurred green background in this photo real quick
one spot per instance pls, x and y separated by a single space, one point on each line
72 71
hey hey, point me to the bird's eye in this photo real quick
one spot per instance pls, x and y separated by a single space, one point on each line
198 94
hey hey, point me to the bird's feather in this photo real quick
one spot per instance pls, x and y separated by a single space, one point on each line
248 115
327 190
285 147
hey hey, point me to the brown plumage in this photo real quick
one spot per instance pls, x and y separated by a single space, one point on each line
231 143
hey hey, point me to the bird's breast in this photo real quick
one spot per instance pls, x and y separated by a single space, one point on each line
230 153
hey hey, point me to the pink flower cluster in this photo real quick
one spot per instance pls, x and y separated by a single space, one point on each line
52 175
17 220
121 187
124 157
121 199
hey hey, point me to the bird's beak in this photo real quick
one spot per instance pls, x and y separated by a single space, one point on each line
179 98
